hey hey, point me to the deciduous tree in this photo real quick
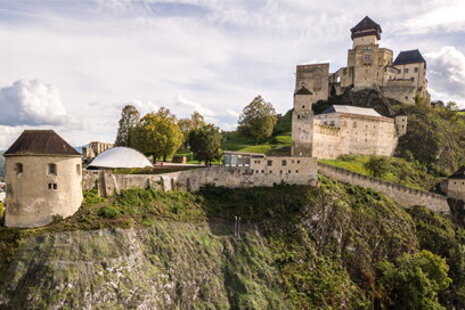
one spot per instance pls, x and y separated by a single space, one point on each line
205 143
257 119
158 134
188 124
129 120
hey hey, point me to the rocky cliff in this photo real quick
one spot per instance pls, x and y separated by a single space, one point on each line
299 248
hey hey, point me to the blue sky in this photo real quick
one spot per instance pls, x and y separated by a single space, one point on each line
71 65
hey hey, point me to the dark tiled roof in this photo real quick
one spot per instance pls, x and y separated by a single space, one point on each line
367 24
459 174
303 91
409 57
41 142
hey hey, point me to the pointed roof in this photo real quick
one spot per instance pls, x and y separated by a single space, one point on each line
303 91
409 57
364 26
41 142
348 109
459 174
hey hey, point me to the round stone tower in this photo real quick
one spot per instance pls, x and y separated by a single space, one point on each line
43 176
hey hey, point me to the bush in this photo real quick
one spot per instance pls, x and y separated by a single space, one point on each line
91 197
109 212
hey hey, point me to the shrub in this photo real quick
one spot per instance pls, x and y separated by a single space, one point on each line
109 212
91 197
2 214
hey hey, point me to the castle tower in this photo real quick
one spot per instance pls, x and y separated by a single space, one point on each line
302 123
366 60
43 175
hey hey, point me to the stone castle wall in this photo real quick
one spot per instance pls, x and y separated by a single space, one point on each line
338 134
404 196
259 174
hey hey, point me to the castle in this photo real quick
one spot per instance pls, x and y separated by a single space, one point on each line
368 66
343 130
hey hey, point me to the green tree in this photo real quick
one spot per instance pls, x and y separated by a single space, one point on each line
378 166
188 124
413 282
129 120
205 143
157 134
257 119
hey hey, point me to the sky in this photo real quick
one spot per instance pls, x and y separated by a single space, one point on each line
71 65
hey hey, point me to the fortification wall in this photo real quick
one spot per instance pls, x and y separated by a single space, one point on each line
404 196
191 180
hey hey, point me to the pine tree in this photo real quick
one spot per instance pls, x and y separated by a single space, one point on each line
129 120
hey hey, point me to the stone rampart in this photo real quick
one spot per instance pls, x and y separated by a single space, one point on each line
191 180
404 196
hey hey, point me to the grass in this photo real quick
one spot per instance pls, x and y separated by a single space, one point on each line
406 173
277 144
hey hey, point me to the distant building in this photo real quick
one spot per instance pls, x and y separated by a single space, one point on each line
94 149
43 176
368 66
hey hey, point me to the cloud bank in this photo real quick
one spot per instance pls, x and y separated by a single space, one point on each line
31 102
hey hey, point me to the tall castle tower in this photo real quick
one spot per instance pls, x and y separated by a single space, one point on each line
302 123
43 175
366 61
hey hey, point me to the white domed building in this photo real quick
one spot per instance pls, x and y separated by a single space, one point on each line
43 176
120 157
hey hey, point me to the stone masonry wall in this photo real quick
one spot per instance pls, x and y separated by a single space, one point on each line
404 196
191 180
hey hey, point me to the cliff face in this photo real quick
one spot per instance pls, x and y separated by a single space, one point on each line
169 266
299 248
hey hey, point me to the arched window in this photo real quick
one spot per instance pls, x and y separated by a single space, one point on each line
18 168
78 169
52 169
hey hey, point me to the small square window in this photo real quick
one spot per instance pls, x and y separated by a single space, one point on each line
284 163
416 70
270 163
297 171
298 161
263 171
52 186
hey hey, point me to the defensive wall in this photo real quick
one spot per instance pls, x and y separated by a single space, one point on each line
404 196
108 183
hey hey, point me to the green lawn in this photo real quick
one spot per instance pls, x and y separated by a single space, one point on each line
278 144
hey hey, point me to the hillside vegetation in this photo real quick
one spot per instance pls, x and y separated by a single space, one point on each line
299 248
398 170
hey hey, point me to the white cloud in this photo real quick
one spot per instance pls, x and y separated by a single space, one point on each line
191 106
31 103
143 107
446 69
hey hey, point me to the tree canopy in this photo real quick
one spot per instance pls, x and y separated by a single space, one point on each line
257 119
129 119
157 134
188 124
205 143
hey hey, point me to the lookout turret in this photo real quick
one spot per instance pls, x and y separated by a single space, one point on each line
366 32
43 175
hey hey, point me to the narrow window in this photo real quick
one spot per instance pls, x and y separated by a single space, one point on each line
18 168
271 171
412 79
416 70
284 163
297 171
52 169
299 160
52 186
263 171
78 169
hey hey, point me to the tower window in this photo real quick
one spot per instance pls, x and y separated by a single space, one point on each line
78 169
406 70
52 169
412 79
416 70
284 163
18 168
52 186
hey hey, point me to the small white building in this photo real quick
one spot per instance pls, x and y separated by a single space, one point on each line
43 176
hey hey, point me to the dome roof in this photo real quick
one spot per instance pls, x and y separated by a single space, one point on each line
120 157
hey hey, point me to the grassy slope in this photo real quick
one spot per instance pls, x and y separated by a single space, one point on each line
279 143
400 171
301 248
